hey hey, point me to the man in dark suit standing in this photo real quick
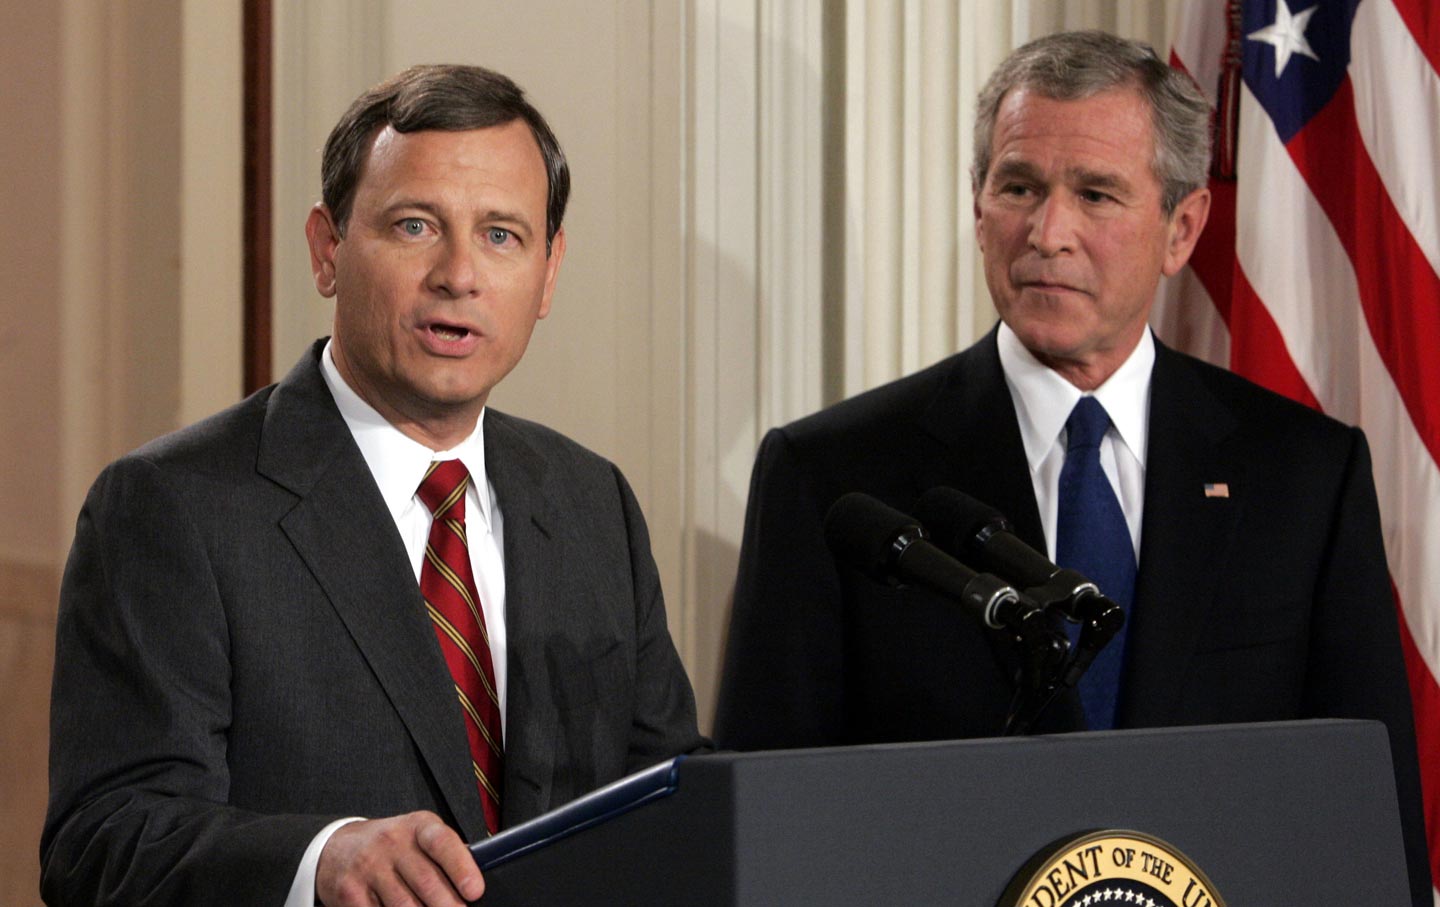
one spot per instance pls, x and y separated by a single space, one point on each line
263 631
1245 530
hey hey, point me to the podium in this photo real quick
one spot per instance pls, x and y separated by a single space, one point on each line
1274 814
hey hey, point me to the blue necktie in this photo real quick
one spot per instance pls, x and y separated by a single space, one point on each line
1092 538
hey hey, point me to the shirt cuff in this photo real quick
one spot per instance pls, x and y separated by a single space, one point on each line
302 890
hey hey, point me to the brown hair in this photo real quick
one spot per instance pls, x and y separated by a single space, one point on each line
450 98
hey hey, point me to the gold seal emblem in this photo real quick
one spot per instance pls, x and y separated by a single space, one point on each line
1110 868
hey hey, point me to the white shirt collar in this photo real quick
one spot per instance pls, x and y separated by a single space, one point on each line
1043 399
397 462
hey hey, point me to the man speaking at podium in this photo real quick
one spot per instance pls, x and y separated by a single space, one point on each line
360 593
1239 530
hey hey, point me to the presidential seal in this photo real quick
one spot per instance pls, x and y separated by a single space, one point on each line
1110 868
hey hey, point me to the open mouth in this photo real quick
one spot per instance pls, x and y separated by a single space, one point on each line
449 332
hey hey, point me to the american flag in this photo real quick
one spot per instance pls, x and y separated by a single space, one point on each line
1317 274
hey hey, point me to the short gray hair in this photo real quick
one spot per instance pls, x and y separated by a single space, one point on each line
1070 66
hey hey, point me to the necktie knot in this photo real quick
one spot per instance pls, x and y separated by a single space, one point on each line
1087 424
443 489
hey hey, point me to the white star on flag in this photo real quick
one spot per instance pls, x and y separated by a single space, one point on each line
1287 35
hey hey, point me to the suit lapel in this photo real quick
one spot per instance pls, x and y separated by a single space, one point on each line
519 475
973 419
1184 533
343 531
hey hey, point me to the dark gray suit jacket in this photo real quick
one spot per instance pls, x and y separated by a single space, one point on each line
243 655
1272 603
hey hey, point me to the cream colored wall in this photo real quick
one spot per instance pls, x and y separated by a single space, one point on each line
120 168
29 347
211 179
30 318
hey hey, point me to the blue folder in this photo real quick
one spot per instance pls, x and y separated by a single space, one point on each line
650 784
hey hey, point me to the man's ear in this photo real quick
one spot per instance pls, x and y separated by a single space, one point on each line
1186 223
323 237
975 210
552 270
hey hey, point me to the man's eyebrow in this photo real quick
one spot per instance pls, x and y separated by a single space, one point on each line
508 218
1097 179
1015 169
410 204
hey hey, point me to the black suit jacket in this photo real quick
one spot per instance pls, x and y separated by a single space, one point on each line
1272 603
243 655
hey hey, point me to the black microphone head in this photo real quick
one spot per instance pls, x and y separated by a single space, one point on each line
958 522
979 533
862 532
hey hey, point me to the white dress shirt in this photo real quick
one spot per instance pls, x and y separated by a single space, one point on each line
1043 401
398 465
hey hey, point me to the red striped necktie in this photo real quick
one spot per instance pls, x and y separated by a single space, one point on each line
448 586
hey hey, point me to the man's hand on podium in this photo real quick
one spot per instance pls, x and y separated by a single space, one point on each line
414 860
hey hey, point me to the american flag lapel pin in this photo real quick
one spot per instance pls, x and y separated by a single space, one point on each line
1217 490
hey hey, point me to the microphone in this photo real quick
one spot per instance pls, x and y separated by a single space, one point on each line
979 533
891 547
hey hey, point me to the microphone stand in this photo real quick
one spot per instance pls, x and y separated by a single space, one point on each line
1047 665
1044 650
